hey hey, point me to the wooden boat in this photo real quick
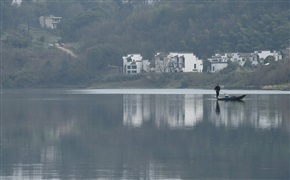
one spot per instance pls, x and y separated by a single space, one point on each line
232 98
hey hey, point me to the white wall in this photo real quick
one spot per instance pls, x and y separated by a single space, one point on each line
192 63
216 67
49 22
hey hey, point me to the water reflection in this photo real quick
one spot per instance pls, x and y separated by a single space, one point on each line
183 111
217 108
144 136
173 111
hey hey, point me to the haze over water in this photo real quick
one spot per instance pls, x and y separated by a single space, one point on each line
144 134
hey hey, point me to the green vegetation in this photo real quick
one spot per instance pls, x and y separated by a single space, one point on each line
100 33
274 76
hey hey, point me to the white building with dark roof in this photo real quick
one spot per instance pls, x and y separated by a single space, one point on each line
174 62
49 21
135 64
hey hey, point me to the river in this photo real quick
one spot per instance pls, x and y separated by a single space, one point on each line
144 134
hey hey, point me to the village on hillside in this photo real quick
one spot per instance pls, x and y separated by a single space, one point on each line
174 62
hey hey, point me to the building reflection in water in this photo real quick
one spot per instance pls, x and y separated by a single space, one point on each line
174 111
227 113
136 110
186 110
255 113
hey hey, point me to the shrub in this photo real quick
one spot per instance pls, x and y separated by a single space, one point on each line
18 40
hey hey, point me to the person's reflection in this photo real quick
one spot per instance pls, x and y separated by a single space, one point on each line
217 108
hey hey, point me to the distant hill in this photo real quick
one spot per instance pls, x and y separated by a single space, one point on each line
102 32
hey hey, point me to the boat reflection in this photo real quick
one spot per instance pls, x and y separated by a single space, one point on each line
217 108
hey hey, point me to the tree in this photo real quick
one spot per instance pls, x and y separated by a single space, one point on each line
269 59
230 68
6 14
248 64
95 62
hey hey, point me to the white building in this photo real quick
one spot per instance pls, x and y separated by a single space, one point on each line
217 66
219 61
219 58
251 57
134 64
49 21
177 62
264 54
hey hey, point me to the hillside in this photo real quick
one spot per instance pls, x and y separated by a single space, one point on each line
95 35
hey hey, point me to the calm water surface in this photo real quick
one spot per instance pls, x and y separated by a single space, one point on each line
144 134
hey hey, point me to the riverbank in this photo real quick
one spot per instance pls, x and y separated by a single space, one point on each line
138 84
146 84
283 87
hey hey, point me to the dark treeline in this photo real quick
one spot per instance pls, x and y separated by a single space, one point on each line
105 31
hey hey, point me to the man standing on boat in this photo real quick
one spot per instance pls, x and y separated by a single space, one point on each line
217 90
